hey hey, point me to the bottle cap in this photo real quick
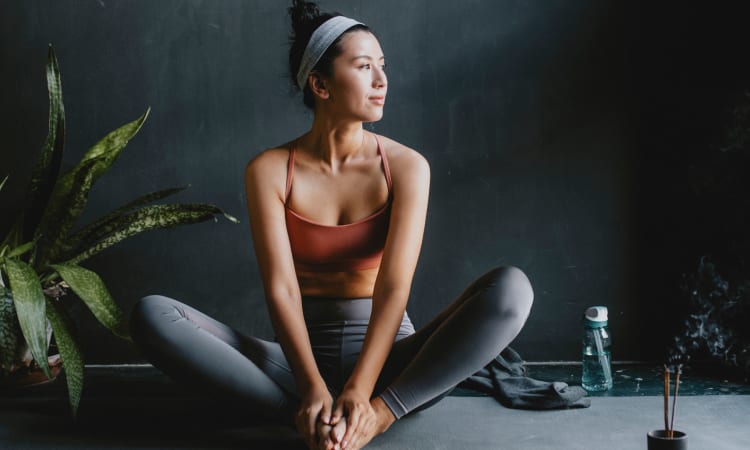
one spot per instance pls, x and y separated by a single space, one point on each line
596 316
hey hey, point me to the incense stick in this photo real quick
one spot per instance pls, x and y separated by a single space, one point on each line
674 400
666 400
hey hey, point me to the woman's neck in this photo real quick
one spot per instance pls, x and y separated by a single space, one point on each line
335 143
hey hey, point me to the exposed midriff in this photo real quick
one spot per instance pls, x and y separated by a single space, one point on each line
345 284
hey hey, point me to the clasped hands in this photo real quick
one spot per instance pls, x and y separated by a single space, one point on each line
348 424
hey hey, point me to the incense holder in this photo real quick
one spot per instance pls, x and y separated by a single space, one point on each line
659 440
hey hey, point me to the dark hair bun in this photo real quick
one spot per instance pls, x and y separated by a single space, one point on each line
306 17
303 14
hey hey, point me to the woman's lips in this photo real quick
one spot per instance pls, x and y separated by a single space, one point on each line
378 100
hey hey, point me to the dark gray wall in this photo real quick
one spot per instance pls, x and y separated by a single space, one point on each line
537 119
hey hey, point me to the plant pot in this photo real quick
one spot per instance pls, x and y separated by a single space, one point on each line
660 440
26 372
32 375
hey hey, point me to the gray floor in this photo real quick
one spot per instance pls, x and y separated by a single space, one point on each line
137 409
712 422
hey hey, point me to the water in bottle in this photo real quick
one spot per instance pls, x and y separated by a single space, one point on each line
597 350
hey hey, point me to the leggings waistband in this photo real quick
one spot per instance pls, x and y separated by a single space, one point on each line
341 311
331 309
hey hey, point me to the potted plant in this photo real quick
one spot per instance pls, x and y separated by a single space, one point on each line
40 255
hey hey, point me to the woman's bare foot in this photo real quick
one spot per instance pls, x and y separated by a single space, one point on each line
327 432
324 430
384 420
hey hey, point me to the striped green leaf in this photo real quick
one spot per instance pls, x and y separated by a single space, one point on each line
70 194
91 290
46 171
151 218
109 223
10 333
29 301
2 183
20 250
113 143
70 352
62 214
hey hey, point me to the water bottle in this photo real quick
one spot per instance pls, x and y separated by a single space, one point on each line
597 350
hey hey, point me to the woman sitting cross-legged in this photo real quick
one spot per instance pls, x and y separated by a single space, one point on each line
337 217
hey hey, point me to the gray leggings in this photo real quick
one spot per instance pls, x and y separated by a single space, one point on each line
422 367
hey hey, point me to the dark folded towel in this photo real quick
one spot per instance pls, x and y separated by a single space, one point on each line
504 378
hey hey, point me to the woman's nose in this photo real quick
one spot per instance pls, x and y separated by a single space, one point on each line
380 80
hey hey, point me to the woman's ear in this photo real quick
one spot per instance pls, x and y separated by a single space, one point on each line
318 86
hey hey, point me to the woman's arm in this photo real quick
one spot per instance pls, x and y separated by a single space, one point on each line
264 185
411 185
410 172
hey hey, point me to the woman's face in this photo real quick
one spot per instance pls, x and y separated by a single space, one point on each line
359 84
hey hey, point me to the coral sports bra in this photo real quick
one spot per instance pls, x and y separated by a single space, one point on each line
336 248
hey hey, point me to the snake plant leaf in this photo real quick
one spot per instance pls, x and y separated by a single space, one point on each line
70 352
21 249
113 143
18 251
90 288
126 220
9 331
109 223
45 173
2 183
150 218
62 212
29 301
70 194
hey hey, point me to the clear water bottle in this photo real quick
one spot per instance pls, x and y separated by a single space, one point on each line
597 350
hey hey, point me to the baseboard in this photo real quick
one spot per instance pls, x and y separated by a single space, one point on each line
529 363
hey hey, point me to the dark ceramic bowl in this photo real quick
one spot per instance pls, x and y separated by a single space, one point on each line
659 440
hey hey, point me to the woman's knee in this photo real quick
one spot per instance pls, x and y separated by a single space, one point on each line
513 292
146 311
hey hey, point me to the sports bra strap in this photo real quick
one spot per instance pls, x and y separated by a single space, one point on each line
290 171
386 168
290 168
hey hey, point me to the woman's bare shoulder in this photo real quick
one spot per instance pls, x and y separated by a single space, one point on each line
269 159
269 164
404 160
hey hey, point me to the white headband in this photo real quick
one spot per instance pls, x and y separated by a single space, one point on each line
321 39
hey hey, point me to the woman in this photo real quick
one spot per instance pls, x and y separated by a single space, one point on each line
337 218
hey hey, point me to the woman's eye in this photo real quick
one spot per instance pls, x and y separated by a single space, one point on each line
364 66
383 67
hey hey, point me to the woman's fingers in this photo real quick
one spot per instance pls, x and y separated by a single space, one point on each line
357 439
339 430
341 413
338 414
325 412
325 442
315 405
353 422
358 435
